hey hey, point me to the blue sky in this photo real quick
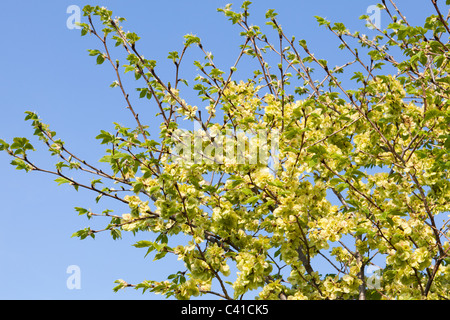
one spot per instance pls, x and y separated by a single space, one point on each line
46 68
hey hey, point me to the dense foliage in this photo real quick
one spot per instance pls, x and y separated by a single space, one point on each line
286 171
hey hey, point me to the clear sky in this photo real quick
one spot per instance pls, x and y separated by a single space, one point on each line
46 68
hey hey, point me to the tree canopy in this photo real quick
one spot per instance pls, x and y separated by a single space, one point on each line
297 166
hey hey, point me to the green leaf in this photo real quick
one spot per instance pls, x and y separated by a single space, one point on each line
322 21
318 150
172 276
173 55
341 187
143 244
358 76
154 189
444 80
97 199
143 93
100 59
95 181
106 159
150 144
270 14
396 212
339 27
148 244
138 187
81 211
116 234
106 136
129 68
84 28
61 181
61 165
302 43
132 37
216 73
253 200
31 116
160 255
323 62
84 233
94 52
121 284
432 114
21 165
120 155
236 181
447 142
191 39
335 181
21 144
246 4
364 17
3 145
